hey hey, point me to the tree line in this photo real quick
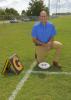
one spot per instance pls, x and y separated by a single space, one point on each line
34 9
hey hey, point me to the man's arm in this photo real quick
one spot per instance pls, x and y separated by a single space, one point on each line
49 44
37 42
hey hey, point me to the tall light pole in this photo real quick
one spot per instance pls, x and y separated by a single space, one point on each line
49 6
57 6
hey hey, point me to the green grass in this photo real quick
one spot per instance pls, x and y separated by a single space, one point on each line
16 38
46 87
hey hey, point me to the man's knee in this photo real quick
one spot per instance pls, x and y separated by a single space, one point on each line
57 44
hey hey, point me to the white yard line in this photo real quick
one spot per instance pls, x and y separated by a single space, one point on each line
51 73
22 82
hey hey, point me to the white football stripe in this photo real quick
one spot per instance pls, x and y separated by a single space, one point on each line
51 73
22 82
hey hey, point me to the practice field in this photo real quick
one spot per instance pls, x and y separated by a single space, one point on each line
36 84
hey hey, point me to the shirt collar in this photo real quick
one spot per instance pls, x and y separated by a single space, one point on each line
43 24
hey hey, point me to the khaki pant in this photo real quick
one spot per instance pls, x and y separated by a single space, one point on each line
42 51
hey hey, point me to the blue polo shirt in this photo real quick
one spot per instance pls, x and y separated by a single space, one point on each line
43 32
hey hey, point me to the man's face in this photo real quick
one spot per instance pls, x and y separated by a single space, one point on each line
43 17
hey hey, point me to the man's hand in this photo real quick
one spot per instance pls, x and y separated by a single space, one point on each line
48 45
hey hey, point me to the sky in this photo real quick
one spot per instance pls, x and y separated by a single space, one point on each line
19 5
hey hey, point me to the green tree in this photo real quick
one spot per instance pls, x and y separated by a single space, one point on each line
11 11
35 7
23 13
8 13
2 12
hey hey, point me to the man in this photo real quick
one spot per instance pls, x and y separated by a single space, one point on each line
43 36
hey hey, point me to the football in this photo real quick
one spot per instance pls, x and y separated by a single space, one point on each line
44 65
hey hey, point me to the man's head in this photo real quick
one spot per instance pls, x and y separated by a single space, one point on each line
43 16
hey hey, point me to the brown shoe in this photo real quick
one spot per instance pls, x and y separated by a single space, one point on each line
56 64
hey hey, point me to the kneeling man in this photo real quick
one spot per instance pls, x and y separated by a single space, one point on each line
43 34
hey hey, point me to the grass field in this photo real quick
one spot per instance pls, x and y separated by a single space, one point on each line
16 38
